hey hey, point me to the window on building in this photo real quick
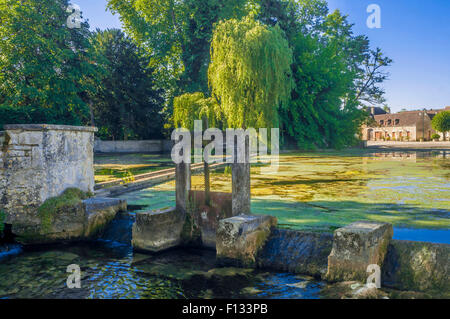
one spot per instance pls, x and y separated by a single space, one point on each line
389 122
397 122
381 122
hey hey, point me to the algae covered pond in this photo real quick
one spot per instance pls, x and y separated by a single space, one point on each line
326 190
109 167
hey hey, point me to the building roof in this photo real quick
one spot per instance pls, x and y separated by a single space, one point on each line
405 118
408 118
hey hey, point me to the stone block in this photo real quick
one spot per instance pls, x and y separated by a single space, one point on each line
39 162
72 222
240 238
182 185
355 247
158 230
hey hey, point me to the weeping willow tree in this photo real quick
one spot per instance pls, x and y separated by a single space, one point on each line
194 106
250 72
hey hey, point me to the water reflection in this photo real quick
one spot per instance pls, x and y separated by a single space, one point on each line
113 271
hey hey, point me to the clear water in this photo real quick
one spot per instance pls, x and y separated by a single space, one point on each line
112 271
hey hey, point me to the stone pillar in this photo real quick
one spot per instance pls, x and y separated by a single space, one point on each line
182 185
240 188
240 181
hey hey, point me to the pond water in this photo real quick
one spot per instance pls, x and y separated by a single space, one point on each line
110 269
322 191
311 191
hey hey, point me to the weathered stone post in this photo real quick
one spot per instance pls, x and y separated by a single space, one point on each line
159 230
241 183
182 186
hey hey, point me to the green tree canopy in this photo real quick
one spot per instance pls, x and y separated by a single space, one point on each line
177 35
46 69
336 74
250 71
441 122
128 102
194 106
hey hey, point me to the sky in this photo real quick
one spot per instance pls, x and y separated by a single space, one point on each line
414 33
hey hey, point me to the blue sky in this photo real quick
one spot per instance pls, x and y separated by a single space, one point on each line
414 33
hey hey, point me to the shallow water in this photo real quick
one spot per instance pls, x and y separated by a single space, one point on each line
324 191
111 270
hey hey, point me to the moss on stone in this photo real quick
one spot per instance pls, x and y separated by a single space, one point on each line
48 210
2 221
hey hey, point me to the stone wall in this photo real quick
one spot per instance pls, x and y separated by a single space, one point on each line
144 146
40 161
408 265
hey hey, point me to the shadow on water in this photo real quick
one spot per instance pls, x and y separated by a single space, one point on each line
111 269
410 222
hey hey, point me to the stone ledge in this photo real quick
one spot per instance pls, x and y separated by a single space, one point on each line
240 238
48 127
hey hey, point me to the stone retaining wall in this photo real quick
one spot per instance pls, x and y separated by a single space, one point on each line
40 161
408 265
144 146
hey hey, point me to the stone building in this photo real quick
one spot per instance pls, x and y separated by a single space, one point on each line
402 126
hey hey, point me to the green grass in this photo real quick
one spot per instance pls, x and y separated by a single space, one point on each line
69 198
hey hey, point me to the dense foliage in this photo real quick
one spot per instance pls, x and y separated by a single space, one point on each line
260 63
441 122
177 35
335 73
46 69
194 106
250 72
127 104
